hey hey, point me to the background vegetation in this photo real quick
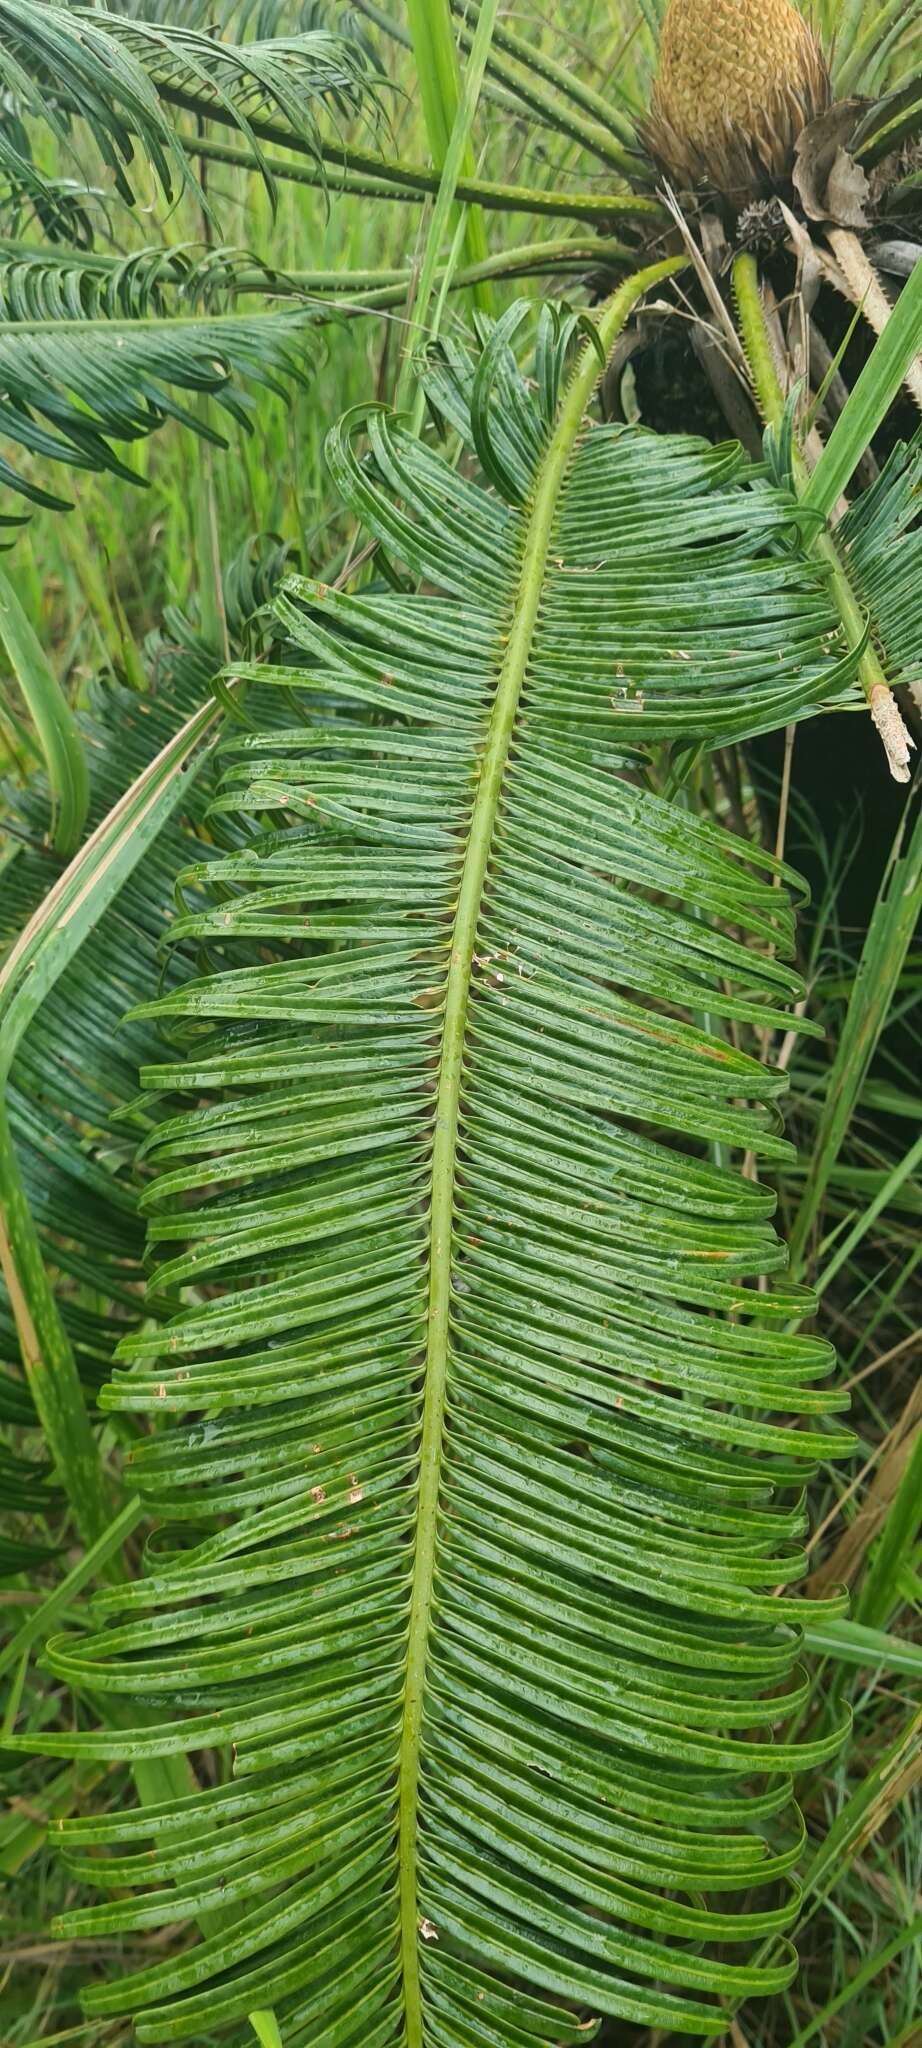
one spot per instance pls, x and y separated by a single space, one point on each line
120 592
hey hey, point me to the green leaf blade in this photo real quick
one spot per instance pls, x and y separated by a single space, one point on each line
59 737
476 1419
869 399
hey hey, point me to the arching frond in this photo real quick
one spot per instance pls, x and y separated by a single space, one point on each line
125 76
260 19
882 532
74 386
483 1439
66 1084
67 210
64 207
71 1081
40 284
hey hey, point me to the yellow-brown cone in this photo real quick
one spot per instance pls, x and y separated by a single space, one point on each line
738 81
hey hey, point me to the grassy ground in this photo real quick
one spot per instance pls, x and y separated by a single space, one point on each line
96 583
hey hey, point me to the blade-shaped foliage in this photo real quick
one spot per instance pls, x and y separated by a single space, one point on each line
68 914
65 764
478 1446
68 1085
133 76
123 77
75 386
260 19
882 533
41 284
71 1081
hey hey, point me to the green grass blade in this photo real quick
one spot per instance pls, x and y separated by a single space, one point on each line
21 1834
870 399
568 83
880 1591
562 113
47 1356
889 1187
50 940
54 721
92 880
458 149
865 1974
865 1811
849 1642
437 72
43 1618
890 934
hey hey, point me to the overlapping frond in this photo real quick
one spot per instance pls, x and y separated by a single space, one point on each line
481 1444
74 386
260 19
66 1085
42 284
283 79
882 532
64 206
125 76
69 1088
62 1098
67 210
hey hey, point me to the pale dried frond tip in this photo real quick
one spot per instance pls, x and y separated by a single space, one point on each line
897 740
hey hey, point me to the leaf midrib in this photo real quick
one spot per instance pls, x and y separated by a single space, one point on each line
168 323
535 547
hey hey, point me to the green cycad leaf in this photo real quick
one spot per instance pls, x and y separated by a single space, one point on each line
482 1457
41 284
70 1083
65 761
882 533
125 76
261 19
72 386
67 1085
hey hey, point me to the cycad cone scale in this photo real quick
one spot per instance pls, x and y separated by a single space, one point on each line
738 81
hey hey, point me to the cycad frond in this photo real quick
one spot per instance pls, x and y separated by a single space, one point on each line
72 1073
283 79
261 19
63 206
73 386
69 1085
39 284
483 1456
125 77
67 210
882 532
